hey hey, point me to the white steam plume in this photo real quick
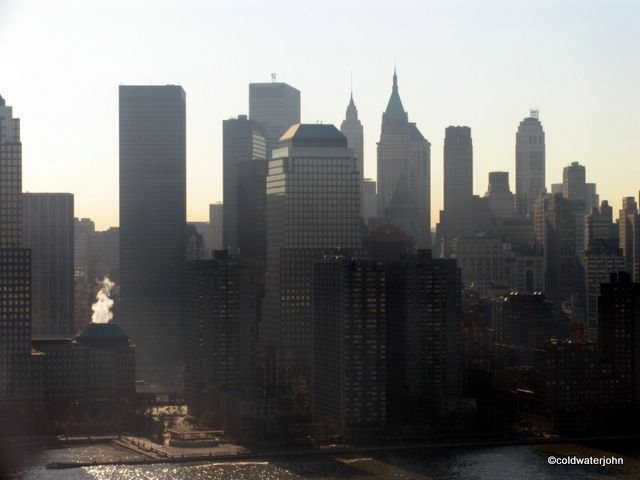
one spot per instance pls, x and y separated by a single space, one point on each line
102 308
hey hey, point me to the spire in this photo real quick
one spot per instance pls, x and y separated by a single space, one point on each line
351 88
394 107
2 104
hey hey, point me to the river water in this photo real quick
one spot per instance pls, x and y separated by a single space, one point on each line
508 463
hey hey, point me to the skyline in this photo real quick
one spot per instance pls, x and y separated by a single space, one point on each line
577 72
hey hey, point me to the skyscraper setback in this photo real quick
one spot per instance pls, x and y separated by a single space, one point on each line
153 223
530 163
404 178
276 106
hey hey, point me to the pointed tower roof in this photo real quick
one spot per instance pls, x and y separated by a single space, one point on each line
394 107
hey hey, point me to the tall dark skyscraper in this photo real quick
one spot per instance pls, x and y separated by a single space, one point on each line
404 174
242 141
47 225
15 272
153 223
458 181
313 208
530 163
276 106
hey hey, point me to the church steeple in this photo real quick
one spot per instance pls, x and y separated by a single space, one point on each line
394 107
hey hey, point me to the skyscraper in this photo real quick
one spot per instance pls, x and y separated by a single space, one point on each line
242 141
557 231
629 234
216 212
220 329
152 224
404 182
530 163
276 106
349 346
574 182
47 226
16 360
313 208
458 181
432 332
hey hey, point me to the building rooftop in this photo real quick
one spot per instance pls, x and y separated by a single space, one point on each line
395 107
102 333
314 135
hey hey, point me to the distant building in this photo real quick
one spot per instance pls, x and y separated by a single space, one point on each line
530 163
404 179
83 231
205 231
47 228
458 181
152 225
629 235
369 201
276 106
349 347
216 225
243 140
600 261
599 227
574 182
313 208
557 228
351 128
481 261
591 197
501 200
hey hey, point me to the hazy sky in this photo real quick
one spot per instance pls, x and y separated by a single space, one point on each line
482 64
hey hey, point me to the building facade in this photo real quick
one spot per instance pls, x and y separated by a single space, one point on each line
530 163
48 230
404 172
152 224
243 141
349 346
313 208
276 106
458 181
20 370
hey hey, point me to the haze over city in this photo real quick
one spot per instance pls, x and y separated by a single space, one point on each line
458 63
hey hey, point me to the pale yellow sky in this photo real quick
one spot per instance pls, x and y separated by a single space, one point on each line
482 64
